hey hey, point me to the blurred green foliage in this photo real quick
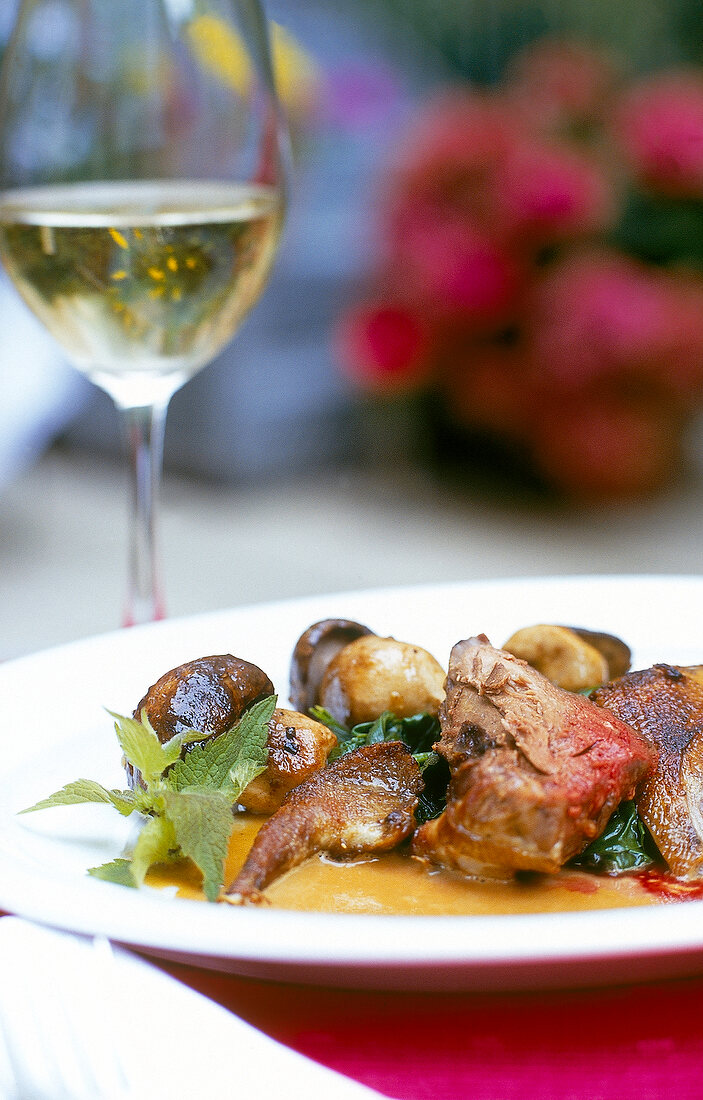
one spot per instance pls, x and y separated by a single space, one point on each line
474 38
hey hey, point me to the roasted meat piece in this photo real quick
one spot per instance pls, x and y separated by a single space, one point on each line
364 802
665 704
535 770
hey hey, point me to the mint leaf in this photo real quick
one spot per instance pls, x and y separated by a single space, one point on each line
142 747
252 730
156 843
187 801
85 790
230 761
118 871
241 775
202 822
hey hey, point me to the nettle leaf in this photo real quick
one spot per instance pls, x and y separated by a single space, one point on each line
156 843
240 776
86 790
142 747
228 762
117 871
202 822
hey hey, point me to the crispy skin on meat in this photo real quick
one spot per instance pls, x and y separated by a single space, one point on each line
536 771
665 704
364 802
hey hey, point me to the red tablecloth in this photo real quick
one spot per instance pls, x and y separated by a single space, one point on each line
640 1042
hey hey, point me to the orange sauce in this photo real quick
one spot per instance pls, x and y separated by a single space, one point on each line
394 883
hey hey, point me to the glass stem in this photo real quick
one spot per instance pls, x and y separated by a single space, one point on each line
144 430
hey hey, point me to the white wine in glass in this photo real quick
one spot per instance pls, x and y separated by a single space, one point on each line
143 175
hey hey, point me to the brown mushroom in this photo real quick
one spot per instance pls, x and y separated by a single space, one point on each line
371 675
209 694
561 655
313 652
615 651
298 747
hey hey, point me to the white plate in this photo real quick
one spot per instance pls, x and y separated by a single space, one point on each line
53 728
63 979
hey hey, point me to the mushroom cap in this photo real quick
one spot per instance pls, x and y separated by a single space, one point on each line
560 654
209 694
313 652
298 747
616 652
371 675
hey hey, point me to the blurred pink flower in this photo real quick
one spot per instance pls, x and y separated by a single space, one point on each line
499 290
661 125
603 316
545 193
594 449
561 85
449 159
383 347
455 268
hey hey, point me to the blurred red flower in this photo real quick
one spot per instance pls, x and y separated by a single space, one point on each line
605 450
385 347
516 285
660 123
560 85
492 389
545 193
451 267
603 316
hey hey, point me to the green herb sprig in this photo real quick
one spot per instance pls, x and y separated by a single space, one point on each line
187 800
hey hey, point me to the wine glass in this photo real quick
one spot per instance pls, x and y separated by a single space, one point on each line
143 167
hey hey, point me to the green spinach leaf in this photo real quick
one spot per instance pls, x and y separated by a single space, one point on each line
624 845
